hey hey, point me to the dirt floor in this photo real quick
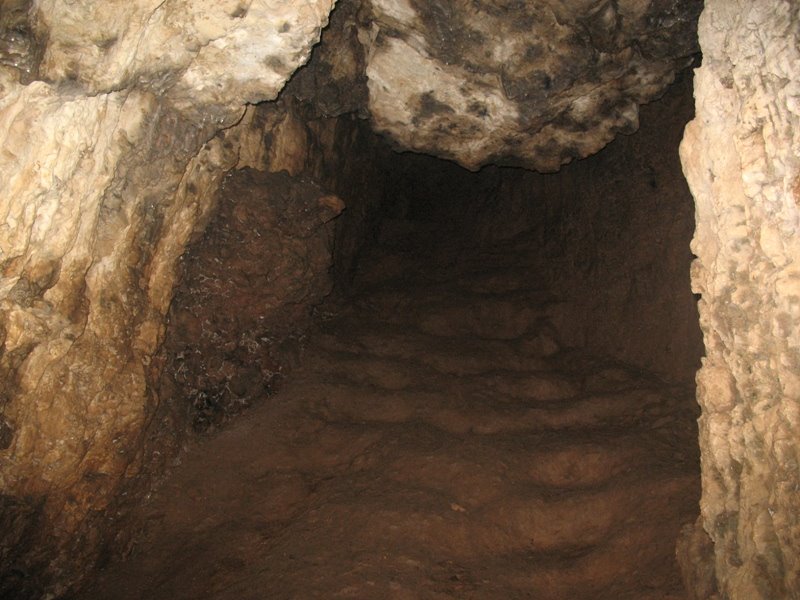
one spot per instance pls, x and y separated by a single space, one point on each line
437 442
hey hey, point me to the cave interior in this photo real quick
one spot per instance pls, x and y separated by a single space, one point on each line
505 348
399 299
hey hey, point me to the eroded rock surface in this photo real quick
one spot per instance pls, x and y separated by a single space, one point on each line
108 121
200 54
110 115
238 320
432 447
740 156
531 83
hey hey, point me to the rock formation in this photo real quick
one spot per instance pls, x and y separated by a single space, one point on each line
239 315
531 83
119 120
108 166
741 156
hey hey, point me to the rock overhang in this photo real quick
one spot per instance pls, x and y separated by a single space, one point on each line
532 84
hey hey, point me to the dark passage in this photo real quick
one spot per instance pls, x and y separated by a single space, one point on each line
496 402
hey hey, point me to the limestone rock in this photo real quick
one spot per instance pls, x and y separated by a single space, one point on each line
17 48
200 54
740 156
94 220
530 83
109 120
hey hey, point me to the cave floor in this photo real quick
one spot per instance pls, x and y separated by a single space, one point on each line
435 443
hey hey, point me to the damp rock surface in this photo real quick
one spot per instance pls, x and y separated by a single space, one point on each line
438 442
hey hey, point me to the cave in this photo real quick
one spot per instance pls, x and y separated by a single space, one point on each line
400 299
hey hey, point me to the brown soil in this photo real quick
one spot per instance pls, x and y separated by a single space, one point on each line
438 442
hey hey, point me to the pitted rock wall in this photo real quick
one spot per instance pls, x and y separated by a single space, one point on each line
110 159
741 156
534 84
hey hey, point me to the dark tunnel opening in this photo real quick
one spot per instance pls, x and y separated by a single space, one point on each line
470 384
610 233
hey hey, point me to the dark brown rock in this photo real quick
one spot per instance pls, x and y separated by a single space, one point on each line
248 285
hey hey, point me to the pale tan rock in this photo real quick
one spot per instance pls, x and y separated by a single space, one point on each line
740 156
108 168
201 54
536 84
94 225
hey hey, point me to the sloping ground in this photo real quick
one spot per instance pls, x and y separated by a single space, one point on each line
438 442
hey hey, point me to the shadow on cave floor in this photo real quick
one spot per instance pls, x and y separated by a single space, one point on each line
438 442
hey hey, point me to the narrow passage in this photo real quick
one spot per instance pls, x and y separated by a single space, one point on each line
437 442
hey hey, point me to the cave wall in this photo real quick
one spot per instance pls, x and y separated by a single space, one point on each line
619 223
110 159
246 294
290 220
112 153
741 155
87 281
614 230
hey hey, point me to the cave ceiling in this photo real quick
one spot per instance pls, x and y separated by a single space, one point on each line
534 84
529 83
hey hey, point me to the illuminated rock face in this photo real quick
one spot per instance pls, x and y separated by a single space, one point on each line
118 121
740 156
529 83
108 121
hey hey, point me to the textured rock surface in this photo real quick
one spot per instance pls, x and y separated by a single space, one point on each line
741 156
91 231
613 233
109 121
618 224
532 83
240 314
429 449
200 55
104 176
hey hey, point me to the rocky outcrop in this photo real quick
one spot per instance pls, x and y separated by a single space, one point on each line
740 156
535 84
110 163
528 83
